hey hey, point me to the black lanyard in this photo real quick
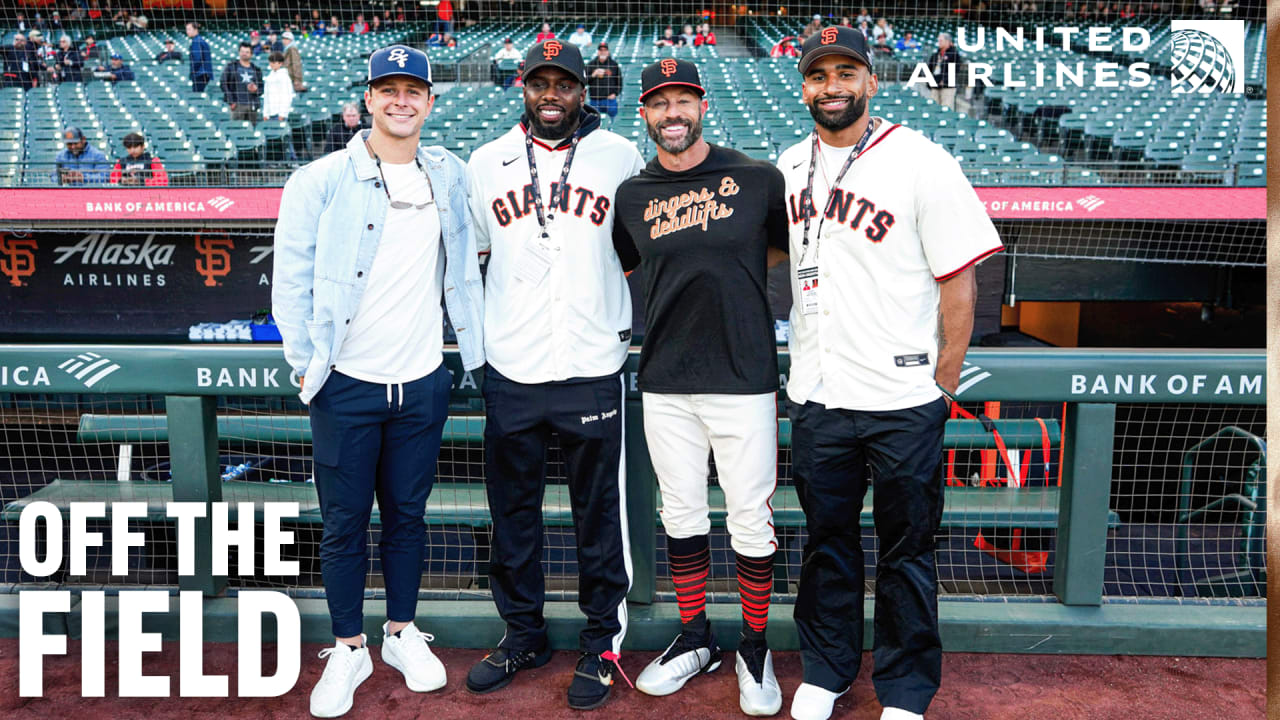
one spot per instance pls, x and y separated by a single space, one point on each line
831 191
537 186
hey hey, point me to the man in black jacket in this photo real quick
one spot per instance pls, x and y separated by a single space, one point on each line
944 64
20 64
604 82
170 52
242 85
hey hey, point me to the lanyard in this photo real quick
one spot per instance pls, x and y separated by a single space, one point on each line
813 163
537 186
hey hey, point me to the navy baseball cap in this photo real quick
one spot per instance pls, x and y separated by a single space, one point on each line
668 72
555 53
399 60
838 40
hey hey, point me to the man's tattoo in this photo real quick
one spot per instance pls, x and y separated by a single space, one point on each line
942 332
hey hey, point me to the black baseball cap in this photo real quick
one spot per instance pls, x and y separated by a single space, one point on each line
555 53
837 40
667 72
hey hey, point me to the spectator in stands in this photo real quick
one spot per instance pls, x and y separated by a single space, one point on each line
334 27
705 36
44 52
318 30
137 167
508 54
444 16
95 10
813 28
117 72
89 49
277 98
864 16
377 24
21 25
359 27
882 48
581 39
69 65
907 42
274 44
79 163
688 36
845 21
544 33
943 63
242 85
55 23
170 52
21 66
293 61
442 40
201 58
604 81
881 29
669 38
341 132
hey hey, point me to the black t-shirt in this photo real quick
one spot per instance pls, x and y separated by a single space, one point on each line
701 238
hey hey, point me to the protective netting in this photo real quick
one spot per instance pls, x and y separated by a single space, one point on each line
1050 116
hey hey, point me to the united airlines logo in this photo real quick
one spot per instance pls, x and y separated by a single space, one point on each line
88 368
221 202
971 375
399 56
1090 202
1207 56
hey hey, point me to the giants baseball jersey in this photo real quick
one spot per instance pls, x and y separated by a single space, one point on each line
902 219
575 321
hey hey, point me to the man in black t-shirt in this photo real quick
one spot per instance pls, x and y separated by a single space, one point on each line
704 223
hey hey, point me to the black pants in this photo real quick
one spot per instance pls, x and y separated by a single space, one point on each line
830 451
587 415
375 441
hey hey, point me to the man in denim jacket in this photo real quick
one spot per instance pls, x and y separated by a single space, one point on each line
359 275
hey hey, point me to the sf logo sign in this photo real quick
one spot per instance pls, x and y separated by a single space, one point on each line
399 56
829 35
551 49
215 258
17 259
668 67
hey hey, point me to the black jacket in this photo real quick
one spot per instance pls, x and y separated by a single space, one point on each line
14 72
235 83
602 87
951 57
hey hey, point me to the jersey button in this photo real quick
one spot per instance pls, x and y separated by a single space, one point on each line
826 312
826 274
370 226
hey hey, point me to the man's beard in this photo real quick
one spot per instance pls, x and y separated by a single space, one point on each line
563 129
691 135
839 121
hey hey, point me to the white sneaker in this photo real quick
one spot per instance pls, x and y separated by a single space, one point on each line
410 654
758 698
333 694
813 703
893 713
683 660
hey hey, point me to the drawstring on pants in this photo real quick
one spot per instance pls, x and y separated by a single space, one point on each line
400 404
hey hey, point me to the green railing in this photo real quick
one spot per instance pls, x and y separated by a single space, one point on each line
1075 618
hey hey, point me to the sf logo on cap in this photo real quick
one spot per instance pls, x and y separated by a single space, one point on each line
829 35
551 49
668 67
399 56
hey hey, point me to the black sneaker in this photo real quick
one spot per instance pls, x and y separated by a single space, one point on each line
497 668
592 680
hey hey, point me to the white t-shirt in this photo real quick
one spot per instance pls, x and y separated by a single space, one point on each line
397 334
906 219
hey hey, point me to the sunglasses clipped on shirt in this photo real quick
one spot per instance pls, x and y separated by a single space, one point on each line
402 204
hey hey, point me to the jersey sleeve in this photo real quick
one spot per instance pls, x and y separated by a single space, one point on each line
777 223
475 200
952 223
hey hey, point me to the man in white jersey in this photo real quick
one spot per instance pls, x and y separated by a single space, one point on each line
368 241
557 327
883 286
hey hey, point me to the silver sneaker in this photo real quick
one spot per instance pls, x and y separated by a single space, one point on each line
759 697
683 660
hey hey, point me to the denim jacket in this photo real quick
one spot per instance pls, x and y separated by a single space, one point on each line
327 233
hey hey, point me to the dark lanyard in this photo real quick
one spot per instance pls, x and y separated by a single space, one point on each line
537 186
831 191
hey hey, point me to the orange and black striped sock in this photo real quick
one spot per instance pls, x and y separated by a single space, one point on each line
755 587
690 564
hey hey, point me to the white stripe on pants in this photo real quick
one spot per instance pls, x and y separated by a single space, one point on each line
742 430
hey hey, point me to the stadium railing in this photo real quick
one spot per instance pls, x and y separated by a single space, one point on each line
1128 518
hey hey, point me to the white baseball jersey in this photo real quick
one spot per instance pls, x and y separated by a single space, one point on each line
904 217
575 321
